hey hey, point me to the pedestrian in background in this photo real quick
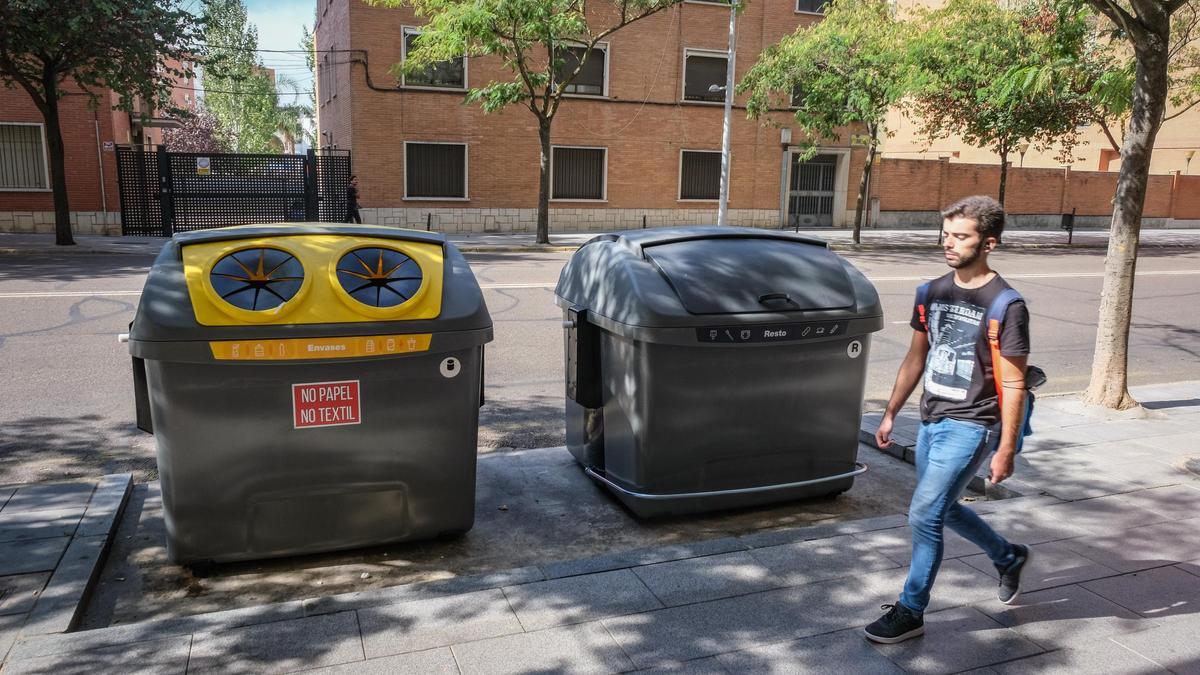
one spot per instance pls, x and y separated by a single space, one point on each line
965 415
352 202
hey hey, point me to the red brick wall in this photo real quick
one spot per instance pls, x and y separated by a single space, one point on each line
79 138
926 185
642 123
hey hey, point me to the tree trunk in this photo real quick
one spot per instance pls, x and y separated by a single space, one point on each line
863 183
1003 175
543 212
58 166
1109 382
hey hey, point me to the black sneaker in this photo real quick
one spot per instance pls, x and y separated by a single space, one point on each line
1010 579
899 624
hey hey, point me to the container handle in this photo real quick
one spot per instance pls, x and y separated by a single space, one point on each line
771 297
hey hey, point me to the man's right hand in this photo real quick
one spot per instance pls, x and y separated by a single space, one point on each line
883 435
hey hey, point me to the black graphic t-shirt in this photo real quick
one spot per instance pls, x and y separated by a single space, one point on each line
958 371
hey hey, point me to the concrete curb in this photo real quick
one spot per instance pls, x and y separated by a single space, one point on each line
59 606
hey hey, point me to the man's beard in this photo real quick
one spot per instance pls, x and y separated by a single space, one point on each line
966 260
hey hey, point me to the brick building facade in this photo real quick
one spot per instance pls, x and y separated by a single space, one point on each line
634 144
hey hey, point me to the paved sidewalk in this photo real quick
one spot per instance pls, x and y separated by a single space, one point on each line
53 537
900 239
1111 508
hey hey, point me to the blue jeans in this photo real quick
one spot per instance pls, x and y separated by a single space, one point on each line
949 452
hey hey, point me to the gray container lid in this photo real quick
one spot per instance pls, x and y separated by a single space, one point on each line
165 313
695 276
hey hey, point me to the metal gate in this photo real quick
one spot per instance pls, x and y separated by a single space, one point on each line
165 192
810 193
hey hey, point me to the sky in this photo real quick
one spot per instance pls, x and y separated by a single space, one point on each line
279 27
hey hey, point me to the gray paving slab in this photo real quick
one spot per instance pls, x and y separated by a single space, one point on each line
806 562
698 579
1154 593
1102 515
1149 473
438 661
642 556
584 649
1023 504
106 505
1061 617
20 591
958 639
49 497
1096 656
33 555
1177 502
823 531
166 656
844 652
1144 547
421 591
569 600
705 666
1053 564
1074 483
10 628
703 629
897 544
438 622
279 647
1034 526
1173 645
69 643
24 525
61 602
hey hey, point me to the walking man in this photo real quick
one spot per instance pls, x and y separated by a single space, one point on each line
964 415
352 202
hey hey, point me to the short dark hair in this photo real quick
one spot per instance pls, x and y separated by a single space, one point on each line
353 176
987 213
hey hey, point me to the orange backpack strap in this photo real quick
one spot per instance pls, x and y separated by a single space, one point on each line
922 299
995 317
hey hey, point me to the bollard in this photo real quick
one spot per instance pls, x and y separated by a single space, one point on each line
643 221
428 221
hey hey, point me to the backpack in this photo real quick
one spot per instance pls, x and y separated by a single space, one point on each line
1034 376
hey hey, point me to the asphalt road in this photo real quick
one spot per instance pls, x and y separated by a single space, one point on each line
66 405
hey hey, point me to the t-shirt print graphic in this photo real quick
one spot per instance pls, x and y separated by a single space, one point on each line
953 332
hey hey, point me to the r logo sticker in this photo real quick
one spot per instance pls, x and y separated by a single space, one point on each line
854 349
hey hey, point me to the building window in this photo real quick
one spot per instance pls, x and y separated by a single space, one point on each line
578 173
798 96
23 157
435 170
700 174
592 79
442 74
703 70
811 6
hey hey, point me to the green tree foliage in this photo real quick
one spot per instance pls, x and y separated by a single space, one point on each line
238 90
529 37
48 48
961 55
844 74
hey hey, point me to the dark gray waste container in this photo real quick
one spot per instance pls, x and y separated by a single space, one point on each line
710 368
310 388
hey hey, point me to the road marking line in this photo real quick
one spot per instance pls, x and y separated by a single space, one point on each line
496 287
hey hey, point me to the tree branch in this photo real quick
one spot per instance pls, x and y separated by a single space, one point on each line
1119 16
1182 110
1174 5
1108 134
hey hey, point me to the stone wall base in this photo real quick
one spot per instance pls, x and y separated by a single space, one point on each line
476 220
42 222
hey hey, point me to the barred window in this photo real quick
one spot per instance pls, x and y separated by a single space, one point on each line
798 96
577 173
700 174
811 6
435 170
22 157
703 70
446 74
590 80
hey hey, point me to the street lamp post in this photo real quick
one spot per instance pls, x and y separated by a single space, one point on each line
1187 165
1022 147
723 204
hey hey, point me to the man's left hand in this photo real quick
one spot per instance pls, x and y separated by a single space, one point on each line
1002 466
